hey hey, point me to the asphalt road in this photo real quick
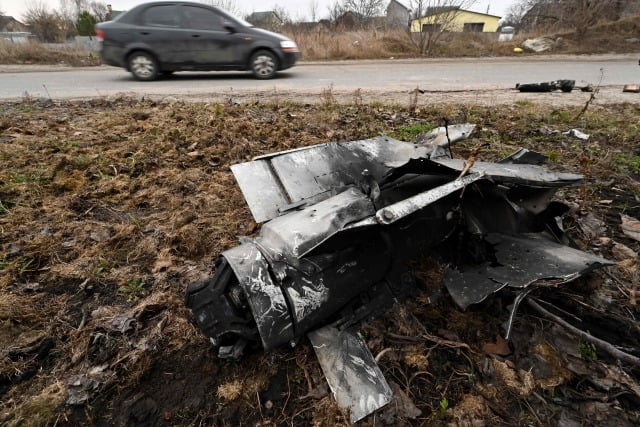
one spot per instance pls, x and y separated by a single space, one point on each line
385 76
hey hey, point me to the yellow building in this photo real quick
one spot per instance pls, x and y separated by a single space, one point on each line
455 19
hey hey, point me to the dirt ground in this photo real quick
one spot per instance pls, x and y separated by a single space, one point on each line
110 207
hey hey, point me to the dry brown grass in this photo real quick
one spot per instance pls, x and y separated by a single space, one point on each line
473 45
365 44
619 36
115 206
36 53
38 410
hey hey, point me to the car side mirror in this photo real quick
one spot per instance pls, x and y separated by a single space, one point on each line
229 27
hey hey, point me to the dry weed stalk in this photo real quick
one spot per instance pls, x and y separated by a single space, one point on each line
413 100
327 96
592 96
357 97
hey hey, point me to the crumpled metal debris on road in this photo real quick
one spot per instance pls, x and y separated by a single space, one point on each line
566 86
343 222
563 85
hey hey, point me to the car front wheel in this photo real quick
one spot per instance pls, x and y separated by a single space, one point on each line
264 64
143 66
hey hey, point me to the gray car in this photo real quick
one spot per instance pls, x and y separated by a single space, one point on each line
155 39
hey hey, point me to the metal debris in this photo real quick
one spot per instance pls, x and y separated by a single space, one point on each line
353 375
576 133
343 222
563 85
520 261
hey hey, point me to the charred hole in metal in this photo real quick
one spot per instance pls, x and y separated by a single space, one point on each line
330 258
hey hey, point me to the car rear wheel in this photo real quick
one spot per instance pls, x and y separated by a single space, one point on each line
264 64
143 66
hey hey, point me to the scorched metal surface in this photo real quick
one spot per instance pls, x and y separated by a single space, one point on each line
343 223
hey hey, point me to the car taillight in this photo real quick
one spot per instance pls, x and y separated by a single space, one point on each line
100 35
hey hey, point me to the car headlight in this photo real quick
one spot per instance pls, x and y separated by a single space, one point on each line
289 46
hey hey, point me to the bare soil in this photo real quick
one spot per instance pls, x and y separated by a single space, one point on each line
109 208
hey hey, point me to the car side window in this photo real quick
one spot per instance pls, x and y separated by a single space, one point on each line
161 16
199 18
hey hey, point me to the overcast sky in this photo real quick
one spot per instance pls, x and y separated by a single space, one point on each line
297 8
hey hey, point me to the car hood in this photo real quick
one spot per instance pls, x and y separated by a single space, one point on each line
269 34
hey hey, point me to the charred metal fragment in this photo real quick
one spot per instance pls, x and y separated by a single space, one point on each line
563 85
344 222
520 261
351 371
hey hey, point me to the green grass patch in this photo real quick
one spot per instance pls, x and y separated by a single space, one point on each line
631 162
409 132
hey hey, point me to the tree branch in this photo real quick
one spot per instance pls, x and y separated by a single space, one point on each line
604 345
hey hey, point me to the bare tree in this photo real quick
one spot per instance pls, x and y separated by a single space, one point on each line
365 8
430 19
584 14
99 10
67 9
335 10
47 25
578 15
517 12
283 14
360 12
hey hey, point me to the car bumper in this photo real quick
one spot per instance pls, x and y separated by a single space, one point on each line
289 59
112 55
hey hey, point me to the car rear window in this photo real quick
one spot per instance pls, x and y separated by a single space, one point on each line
161 16
199 18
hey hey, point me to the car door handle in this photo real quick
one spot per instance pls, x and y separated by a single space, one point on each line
195 35
144 33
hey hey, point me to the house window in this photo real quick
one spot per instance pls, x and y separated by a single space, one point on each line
473 27
431 28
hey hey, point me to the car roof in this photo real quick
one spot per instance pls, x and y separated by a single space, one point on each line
132 14
190 3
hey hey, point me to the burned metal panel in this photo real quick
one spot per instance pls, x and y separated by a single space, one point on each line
524 156
299 232
444 135
531 199
271 184
266 300
516 173
440 139
336 250
387 151
392 213
520 261
422 166
323 168
261 189
342 274
307 298
351 371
